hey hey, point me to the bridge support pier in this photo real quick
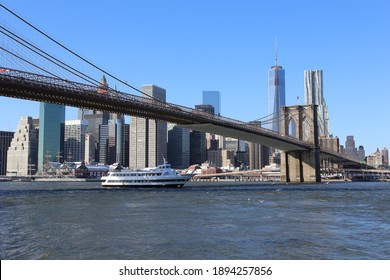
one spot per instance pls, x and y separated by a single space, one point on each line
299 167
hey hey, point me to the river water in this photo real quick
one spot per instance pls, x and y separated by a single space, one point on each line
77 220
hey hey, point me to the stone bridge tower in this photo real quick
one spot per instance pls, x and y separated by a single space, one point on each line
301 166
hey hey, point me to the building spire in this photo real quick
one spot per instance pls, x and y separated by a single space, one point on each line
103 86
276 51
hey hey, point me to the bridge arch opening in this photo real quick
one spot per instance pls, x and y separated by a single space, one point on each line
292 128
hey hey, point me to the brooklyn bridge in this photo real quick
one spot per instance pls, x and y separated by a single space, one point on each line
301 158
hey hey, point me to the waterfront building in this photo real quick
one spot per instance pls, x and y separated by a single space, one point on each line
178 146
95 120
215 157
5 142
148 138
74 141
126 136
362 153
385 157
350 148
314 95
112 141
23 150
51 134
379 159
375 159
120 138
198 147
90 148
107 143
371 160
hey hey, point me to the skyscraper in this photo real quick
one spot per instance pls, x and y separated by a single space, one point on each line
212 97
148 138
276 99
22 153
314 95
120 138
95 120
75 140
51 133
178 146
385 157
350 148
362 153
89 154
107 143
276 95
5 142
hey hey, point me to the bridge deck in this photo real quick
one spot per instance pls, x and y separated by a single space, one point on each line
31 86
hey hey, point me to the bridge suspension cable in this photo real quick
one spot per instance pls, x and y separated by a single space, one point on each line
46 56
76 55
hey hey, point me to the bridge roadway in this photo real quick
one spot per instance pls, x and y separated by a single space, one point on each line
31 86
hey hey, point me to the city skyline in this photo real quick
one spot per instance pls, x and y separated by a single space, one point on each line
231 52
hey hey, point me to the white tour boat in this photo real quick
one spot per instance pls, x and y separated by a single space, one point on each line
161 176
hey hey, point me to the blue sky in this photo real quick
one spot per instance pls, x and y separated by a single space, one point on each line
190 46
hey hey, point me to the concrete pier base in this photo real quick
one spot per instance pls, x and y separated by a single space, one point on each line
299 167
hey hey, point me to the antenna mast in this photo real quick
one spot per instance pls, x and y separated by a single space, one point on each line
276 51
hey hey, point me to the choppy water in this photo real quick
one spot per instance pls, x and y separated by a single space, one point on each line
84 221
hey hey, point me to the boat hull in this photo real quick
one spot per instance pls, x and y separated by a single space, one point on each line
145 185
176 182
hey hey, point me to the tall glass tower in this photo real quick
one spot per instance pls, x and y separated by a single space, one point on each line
314 94
51 133
276 95
212 97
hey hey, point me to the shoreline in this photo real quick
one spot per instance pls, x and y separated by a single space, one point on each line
189 183
47 179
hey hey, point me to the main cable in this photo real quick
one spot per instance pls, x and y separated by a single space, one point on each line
75 54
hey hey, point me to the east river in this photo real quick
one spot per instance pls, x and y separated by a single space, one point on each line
75 220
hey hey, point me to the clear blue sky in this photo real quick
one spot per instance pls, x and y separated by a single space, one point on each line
190 46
